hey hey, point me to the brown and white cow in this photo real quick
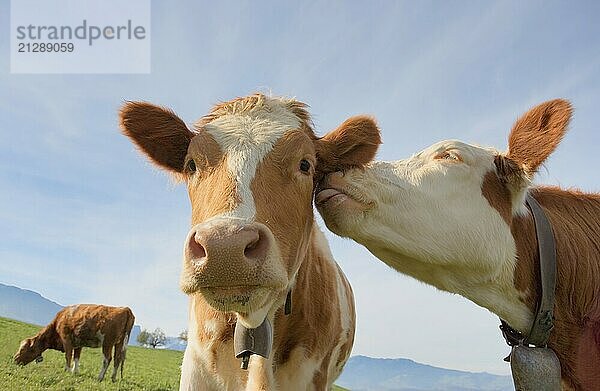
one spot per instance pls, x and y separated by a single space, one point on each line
453 216
250 166
78 326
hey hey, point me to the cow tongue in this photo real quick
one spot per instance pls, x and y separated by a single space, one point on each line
325 195
247 342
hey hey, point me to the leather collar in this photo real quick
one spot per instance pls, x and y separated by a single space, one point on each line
544 319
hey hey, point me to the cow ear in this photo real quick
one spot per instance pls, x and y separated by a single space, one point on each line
508 170
537 133
157 132
353 144
534 136
27 342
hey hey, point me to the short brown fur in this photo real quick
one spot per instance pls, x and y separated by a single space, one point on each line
283 201
498 195
158 132
575 220
574 217
353 144
538 132
213 191
77 326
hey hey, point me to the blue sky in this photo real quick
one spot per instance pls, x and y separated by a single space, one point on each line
83 218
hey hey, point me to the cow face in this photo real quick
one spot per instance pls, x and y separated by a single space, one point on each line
29 350
249 166
443 215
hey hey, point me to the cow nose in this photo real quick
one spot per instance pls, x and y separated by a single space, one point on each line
250 242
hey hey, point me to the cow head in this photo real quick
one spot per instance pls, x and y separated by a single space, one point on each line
444 214
250 166
30 349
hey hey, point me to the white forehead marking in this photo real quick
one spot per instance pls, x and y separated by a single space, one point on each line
246 139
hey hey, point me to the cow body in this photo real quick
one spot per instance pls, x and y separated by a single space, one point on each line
310 347
250 166
83 325
453 216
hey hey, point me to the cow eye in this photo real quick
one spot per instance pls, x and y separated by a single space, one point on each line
190 166
305 166
447 155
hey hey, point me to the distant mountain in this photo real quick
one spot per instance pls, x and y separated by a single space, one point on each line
135 331
383 374
26 306
174 343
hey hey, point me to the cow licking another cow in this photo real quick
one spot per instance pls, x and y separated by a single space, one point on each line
250 167
79 326
453 216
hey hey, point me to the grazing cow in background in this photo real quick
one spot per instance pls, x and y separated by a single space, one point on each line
453 216
78 326
250 166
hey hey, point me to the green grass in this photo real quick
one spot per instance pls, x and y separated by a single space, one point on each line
145 369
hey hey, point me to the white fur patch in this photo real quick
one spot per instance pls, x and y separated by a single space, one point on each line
345 300
431 221
210 326
105 363
298 372
114 372
209 365
246 139
73 308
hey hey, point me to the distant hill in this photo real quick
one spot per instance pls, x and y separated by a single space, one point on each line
175 343
135 331
26 306
382 374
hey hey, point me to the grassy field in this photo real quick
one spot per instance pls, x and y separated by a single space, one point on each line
145 369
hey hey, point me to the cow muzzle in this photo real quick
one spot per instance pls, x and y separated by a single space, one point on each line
335 191
235 266
23 360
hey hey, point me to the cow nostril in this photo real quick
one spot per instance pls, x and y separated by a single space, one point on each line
197 250
257 248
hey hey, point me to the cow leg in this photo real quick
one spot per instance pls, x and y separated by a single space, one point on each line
194 376
118 360
76 355
106 352
68 354
260 374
